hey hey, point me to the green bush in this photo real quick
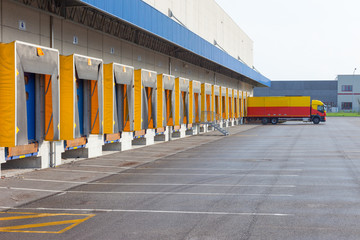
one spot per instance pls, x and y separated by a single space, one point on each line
343 114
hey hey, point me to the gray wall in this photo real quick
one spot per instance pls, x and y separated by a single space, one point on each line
325 91
352 96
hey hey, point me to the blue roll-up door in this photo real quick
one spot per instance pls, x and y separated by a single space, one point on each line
80 97
30 105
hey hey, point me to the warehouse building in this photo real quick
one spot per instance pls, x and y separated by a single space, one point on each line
348 91
86 76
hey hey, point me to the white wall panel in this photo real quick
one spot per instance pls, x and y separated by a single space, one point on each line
208 20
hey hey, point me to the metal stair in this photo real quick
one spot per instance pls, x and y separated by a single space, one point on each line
220 129
214 121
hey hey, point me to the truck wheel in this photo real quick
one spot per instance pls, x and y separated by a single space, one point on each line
316 120
274 121
264 121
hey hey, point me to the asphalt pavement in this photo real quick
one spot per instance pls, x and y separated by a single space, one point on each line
285 181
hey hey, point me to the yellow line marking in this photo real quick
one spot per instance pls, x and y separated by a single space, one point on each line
36 215
24 217
75 224
53 214
28 215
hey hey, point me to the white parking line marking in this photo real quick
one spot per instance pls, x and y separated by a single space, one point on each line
159 184
153 211
103 166
194 169
239 160
177 174
146 193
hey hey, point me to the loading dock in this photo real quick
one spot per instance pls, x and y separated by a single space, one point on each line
168 108
224 106
118 107
145 107
196 88
217 101
230 104
81 86
206 104
29 105
236 106
185 98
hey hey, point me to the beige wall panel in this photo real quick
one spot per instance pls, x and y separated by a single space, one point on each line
139 56
45 41
110 42
189 71
44 25
126 51
58 46
70 30
161 63
12 13
110 58
11 34
209 79
127 61
150 58
95 40
175 68
69 48
57 28
138 65
95 53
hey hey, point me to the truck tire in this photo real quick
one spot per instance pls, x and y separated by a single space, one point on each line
316 120
274 121
264 121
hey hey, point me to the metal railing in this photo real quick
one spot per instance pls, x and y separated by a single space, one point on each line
214 120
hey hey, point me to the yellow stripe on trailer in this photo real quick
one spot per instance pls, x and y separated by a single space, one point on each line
278 101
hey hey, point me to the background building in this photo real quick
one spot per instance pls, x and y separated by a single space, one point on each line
348 92
325 91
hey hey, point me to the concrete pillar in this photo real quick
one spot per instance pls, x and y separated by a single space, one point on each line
44 154
94 145
59 149
183 130
126 140
2 157
149 136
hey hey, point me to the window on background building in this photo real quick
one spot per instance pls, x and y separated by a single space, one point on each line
346 88
346 105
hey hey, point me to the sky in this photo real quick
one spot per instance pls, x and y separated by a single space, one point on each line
300 39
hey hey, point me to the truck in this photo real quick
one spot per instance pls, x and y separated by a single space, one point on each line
275 109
